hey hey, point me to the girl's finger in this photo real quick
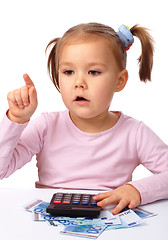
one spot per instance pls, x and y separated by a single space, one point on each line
101 196
120 206
28 80
18 98
11 98
133 204
25 95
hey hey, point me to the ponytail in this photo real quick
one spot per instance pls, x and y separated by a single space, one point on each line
146 58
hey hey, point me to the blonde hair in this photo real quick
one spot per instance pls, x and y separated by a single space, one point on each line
85 31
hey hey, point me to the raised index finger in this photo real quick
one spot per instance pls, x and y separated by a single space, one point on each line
28 80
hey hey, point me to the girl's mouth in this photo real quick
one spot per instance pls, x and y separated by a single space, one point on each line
81 100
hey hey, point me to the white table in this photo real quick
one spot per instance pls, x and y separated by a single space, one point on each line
17 224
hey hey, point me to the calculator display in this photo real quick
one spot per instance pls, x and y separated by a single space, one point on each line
73 205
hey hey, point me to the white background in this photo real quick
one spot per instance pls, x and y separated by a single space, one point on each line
26 27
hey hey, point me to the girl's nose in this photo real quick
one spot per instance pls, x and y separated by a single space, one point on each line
80 82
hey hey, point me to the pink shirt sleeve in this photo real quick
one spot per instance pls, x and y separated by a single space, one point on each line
16 148
153 154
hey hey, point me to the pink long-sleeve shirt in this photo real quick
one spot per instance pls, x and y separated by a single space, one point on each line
69 158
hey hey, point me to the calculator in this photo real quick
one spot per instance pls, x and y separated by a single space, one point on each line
73 205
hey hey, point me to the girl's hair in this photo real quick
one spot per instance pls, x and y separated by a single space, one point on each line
88 31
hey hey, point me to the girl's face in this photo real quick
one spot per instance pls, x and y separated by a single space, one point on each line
88 77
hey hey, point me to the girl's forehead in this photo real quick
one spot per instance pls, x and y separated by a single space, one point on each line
85 39
86 53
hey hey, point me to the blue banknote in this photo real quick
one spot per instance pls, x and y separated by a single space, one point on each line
84 231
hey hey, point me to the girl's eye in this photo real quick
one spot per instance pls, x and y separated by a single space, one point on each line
68 72
94 72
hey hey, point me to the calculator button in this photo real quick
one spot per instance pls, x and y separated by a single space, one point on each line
85 200
85 197
85 203
93 203
57 202
66 202
59 194
77 195
67 195
77 202
58 197
67 199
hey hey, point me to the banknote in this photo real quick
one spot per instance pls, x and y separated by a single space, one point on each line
128 219
30 205
37 206
143 213
86 231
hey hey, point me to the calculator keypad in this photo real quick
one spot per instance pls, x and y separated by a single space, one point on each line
75 199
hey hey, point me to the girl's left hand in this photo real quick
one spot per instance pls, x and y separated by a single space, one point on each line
126 195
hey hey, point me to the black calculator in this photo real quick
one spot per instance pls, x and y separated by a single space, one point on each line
73 205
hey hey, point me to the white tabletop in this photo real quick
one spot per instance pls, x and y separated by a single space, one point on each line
17 224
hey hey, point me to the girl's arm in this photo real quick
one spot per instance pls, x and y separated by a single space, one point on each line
14 152
153 154
19 143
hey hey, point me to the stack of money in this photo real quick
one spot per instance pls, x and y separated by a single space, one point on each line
88 227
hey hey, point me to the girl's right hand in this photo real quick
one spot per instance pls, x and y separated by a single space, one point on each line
22 102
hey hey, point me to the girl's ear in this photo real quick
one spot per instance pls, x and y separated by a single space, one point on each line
122 80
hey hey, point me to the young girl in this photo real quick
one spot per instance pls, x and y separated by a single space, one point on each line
87 146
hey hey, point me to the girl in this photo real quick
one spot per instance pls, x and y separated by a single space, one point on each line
87 146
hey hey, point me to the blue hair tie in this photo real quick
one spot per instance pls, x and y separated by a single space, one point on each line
126 36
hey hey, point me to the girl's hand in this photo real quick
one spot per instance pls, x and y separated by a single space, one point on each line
22 102
123 196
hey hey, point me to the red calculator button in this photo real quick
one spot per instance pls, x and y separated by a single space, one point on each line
57 202
66 202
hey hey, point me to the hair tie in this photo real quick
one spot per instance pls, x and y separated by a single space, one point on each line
126 36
